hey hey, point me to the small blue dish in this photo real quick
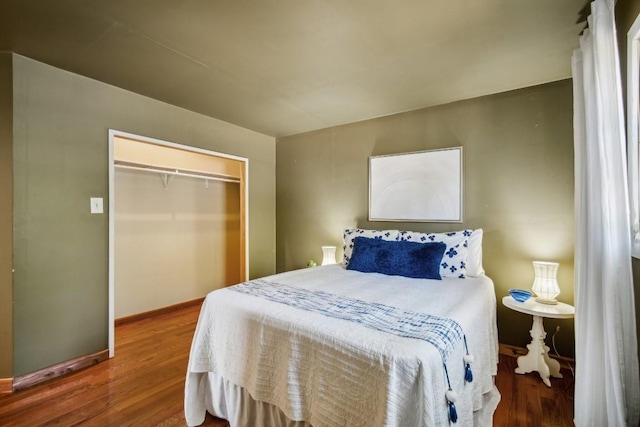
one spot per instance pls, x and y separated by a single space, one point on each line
519 294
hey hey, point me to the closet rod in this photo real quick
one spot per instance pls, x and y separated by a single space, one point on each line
178 172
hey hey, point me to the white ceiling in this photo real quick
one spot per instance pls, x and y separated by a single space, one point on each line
281 67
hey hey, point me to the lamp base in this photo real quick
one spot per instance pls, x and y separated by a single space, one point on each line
546 301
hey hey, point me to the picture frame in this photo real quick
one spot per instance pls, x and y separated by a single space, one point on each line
423 186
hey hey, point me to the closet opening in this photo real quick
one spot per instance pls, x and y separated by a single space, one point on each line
177 224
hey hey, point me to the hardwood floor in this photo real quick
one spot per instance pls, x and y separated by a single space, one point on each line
526 401
144 386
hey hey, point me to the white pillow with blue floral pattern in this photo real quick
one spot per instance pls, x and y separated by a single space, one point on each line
474 258
351 233
454 260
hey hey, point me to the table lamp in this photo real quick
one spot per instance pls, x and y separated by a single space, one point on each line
328 255
545 284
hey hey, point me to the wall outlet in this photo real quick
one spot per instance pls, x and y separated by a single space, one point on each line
96 205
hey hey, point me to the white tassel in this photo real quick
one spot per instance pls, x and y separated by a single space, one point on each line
451 396
468 358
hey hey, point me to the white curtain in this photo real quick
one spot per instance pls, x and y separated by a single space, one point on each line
607 381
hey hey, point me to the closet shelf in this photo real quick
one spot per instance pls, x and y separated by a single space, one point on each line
168 173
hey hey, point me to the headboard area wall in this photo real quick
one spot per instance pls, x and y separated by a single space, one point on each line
518 187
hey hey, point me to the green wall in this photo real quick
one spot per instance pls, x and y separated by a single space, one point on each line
60 142
518 187
6 215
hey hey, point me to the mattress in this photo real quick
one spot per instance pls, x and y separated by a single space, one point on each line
304 367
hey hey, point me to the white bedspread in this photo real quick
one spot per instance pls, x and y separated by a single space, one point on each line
332 372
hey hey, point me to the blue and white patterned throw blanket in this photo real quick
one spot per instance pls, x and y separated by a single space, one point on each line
444 334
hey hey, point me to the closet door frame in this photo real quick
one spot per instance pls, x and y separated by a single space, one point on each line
244 211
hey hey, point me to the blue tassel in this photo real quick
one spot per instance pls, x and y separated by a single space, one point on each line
453 413
468 375
452 396
468 360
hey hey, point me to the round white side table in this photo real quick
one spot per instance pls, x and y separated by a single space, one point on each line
537 359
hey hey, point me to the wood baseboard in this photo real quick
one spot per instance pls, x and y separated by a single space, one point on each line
152 313
28 380
6 385
514 351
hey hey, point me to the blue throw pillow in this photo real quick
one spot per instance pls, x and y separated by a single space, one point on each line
397 258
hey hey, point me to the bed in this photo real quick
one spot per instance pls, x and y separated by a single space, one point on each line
340 346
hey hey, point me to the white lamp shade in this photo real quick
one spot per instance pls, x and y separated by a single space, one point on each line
545 284
328 255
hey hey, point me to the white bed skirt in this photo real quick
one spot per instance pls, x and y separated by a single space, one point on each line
235 404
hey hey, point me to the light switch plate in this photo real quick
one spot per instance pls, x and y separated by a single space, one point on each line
96 205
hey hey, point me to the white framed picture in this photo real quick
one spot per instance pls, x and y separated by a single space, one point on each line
424 186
